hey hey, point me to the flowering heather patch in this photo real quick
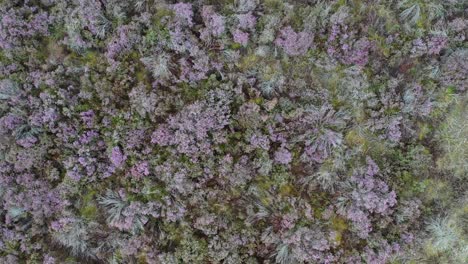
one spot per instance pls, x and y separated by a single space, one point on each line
233 131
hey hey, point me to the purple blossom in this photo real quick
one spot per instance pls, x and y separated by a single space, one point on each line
92 17
140 170
27 142
283 156
436 44
293 43
117 157
358 54
87 137
343 45
214 23
184 12
61 223
189 131
372 168
49 260
241 37
260 141
162 136
14 28
196 139
419 47
369 195
121 43
394 132
383 254
454 70
195 68
11 121
88 117
247 21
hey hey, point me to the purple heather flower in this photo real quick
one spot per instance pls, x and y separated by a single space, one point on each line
140 170
87 117
122 42
13 28
49 260
260 141
87 137
214 23
288 221
372 168
241 37
184 12
11 121
247 21
283 156
358 54
394 132
436 44
27 142
294 43
189 131
61 223
117 157
162 136
419 47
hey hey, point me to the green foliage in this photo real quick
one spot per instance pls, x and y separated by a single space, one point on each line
192 249
453 137
448 242
89 209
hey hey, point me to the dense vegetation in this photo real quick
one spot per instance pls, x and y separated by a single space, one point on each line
233 131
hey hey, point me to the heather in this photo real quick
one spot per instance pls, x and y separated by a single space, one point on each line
233 131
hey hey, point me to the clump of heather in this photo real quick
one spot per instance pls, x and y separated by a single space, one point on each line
294 43
234 131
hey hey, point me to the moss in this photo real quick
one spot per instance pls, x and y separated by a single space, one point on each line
340 3
118 121
339 225
221 209
142 259
411 186
258 100
3 57
82 107
92 58
354 138
89 212
287 190
437 191
89 209
297 20
157 193
319 201
249 62
235 46
155 35
381 43
192 249
162 13
424 130
142 76
158 31
264 182
192 94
